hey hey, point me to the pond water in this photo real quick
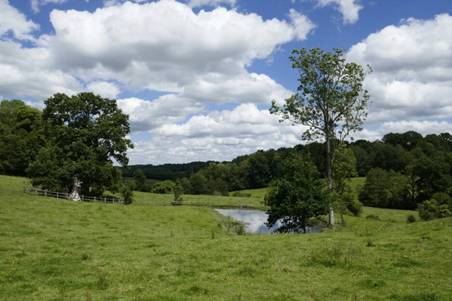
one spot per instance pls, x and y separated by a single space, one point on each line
255 220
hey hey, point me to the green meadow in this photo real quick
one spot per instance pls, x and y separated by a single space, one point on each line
52 249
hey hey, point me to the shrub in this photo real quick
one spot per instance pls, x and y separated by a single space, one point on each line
178 190
350 203
437 207
373 217
166 186
410 219
127 194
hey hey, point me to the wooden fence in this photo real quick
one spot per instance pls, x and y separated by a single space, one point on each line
65 195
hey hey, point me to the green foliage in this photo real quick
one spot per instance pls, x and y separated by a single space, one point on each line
127 194
20 136
198 184
84 133
386 189
178 191
437 207
140 180
166 186
331 99
348 203
410 219
297 196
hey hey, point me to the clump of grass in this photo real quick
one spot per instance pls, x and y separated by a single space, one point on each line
416 297
373 217
370 243
410 219
331 255
102 281
241 194
233 226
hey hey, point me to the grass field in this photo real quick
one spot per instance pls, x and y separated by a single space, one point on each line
146 198
54 249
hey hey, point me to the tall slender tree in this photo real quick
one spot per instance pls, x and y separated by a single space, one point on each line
330 100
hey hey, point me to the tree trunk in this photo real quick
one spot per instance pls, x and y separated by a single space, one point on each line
330 177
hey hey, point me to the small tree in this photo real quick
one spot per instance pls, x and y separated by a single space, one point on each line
330 101
297 196
127 194
178 191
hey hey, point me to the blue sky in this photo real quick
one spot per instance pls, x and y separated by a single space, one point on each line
197 76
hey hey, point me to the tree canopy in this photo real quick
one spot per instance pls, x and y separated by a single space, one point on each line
21 136
85 134
297 196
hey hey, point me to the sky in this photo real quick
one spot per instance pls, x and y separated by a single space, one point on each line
197 77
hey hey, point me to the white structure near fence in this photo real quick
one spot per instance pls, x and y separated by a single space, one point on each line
67 196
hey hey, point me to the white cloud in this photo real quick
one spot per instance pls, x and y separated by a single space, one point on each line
218 135
26 72
245 87
105 89
423 127
412 65
145 115
36 4
11 20
212 3
163 45
302 24
349 9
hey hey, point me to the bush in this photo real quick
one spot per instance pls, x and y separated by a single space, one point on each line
410 219
350 203
178 190
437 207
166 186
373 217
127 194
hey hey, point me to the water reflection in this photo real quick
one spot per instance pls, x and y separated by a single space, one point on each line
254 220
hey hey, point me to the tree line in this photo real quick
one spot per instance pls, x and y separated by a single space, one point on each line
401 170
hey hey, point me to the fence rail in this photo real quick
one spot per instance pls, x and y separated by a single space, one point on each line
65 195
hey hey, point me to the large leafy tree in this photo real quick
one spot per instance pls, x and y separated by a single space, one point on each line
20 136
297 196
85 134
330 100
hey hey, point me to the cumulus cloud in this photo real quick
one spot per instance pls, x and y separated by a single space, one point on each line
212 3
36 4
11 20
302 24
105 89
412 65
349 9
162 45
145 115
26 72
218 135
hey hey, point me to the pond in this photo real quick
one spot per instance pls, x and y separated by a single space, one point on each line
255 220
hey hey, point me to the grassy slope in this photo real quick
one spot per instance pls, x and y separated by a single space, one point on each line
59 250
